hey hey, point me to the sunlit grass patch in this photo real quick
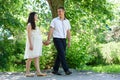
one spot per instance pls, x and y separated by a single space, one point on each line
104 68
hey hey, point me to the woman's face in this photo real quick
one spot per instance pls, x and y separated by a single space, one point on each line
36 17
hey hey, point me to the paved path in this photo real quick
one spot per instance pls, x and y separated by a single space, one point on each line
77 75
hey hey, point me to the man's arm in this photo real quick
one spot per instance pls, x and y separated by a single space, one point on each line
49 35
69 37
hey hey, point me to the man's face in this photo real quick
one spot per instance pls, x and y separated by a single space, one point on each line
60 12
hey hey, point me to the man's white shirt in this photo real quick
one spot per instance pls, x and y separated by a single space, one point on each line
60 27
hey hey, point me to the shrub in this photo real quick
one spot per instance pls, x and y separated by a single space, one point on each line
110 52
80 52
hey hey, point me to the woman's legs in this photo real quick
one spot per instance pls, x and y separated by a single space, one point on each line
28 63
36 62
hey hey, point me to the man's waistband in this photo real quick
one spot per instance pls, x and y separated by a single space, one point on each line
59 38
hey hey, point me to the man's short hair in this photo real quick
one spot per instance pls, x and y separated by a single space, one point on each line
61 8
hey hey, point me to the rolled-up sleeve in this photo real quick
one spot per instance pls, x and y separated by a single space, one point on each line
52 24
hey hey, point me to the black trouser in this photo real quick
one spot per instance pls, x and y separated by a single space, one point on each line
60 45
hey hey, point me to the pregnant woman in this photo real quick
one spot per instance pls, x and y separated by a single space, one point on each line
33 45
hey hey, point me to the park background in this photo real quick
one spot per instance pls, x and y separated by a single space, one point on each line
95 41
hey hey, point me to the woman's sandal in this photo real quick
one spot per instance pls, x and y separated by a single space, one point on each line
41 74
29 75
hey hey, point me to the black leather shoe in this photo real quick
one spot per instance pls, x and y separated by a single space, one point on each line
68 73
56 73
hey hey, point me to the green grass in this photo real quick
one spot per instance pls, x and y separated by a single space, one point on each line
104 68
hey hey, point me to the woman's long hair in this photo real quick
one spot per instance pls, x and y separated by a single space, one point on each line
31 20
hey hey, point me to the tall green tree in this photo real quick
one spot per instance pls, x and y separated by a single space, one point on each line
11 25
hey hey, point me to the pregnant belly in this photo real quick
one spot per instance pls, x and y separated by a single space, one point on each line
37 36
37 40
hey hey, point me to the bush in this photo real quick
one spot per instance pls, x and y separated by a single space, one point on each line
48 57
110 52
81 51
11 55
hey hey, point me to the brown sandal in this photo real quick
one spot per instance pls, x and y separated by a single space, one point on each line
41 74
29 75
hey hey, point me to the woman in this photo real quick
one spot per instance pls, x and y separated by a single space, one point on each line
33 45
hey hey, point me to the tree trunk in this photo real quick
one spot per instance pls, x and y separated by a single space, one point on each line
54 4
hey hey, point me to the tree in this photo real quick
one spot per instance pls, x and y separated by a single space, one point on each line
11 25
54 4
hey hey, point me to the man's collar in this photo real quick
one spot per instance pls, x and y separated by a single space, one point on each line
60 19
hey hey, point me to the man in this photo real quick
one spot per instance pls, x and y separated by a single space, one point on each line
60 29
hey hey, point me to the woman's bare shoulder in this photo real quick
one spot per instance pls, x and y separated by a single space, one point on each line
28 26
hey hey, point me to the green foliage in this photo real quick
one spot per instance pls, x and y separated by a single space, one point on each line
110 52
11 54
103 68
10 16
79 53
87 17
47 59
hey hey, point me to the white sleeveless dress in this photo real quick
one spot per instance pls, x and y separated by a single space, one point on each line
36 40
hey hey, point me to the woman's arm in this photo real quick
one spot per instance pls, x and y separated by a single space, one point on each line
29 36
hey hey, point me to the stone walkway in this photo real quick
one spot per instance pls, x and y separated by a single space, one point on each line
77 75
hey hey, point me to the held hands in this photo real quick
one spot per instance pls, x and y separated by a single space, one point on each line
46 42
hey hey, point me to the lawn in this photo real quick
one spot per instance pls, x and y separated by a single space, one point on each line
103 68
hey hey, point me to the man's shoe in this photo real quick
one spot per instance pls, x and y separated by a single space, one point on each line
68 73
56 73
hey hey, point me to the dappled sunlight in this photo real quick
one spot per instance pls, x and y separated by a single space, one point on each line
110 51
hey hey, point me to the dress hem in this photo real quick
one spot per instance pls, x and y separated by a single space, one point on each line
33 57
